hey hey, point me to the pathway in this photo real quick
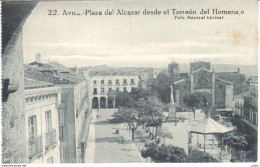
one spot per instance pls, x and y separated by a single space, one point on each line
105 146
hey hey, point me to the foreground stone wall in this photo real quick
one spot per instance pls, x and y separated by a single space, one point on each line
13 123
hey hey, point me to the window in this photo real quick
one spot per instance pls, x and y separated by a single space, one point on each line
132 89
132 81
125 90
94 91
102 82
102 90
48 121
110 82
32 128
117 81
95 82
61 130
109 89
124 81
117 89
61 123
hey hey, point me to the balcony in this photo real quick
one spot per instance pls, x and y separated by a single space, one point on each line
51 139
132 83
102 93
109 84
124 84
94 93
117 84
35 147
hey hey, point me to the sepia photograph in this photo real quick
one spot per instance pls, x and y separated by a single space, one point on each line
150 81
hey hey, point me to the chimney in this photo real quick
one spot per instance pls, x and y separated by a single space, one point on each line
54 72
238 70
38 57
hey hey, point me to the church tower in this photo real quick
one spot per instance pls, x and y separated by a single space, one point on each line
173 69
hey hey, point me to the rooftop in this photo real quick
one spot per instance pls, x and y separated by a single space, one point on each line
52 73
246 94
226 82
34 84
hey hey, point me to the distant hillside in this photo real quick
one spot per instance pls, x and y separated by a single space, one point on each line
245 69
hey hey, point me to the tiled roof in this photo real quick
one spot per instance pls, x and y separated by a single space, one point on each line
45 74
34 84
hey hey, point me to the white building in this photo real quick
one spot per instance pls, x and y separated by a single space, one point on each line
42 122
100 83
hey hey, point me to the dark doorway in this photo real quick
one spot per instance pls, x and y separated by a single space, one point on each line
103 102
95 103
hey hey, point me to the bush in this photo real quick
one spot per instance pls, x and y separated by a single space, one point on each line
164 153
200 156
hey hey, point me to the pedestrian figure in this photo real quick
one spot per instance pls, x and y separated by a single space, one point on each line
158 141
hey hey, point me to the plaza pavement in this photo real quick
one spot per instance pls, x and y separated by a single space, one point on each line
105 146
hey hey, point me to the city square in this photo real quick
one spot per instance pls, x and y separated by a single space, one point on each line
120 82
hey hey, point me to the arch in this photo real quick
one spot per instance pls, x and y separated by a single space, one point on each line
110 102
95 103
103 103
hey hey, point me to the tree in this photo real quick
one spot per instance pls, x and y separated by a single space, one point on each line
200 156
164 153
151 108
236 142
129 116
161 85
197 101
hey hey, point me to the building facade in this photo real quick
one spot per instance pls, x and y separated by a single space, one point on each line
246 104
100 84
42 102
74 114
218 87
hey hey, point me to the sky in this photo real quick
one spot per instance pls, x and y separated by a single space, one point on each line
141 41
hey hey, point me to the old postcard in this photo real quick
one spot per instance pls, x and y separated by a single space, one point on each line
130 82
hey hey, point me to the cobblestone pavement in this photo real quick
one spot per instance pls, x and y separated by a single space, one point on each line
105 146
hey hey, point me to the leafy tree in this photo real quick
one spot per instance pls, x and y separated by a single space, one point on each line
197 101
161 85
200 156
151 108
236 142
164 153
129 116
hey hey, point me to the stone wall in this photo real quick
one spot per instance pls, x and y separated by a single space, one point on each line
13 123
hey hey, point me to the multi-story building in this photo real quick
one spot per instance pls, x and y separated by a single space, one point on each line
101 83
246 104
73 111
42 101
